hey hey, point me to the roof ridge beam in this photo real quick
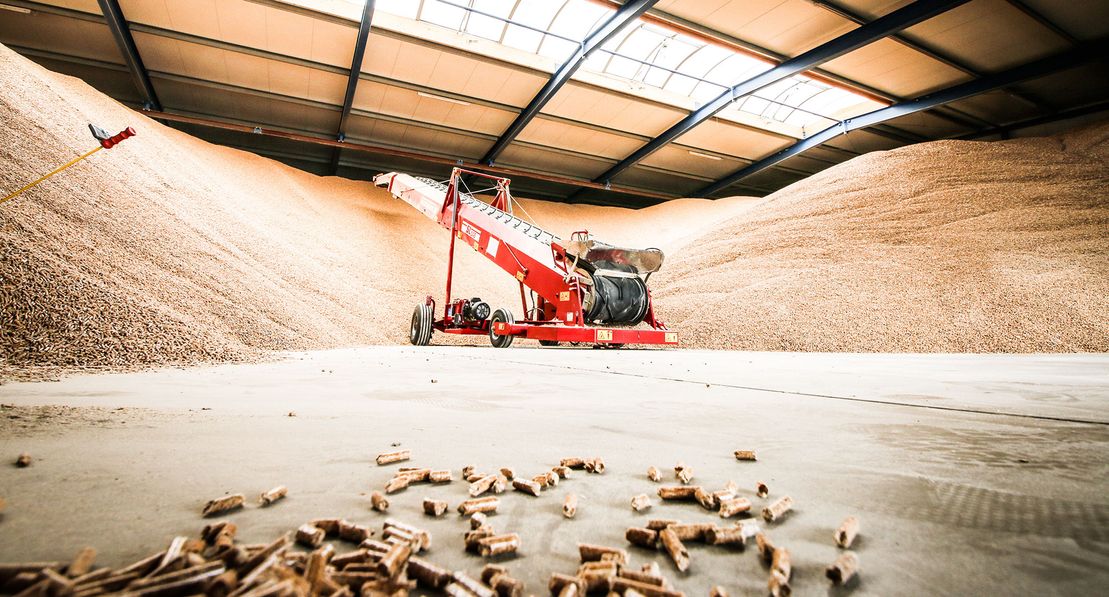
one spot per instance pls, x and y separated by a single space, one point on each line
624 16
117 23
884 26
1032 70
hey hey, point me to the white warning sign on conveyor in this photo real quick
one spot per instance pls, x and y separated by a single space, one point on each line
494 244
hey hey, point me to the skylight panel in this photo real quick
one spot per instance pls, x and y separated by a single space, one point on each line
442 13
403 8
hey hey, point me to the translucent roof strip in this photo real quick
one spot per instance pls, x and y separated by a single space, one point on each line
644 53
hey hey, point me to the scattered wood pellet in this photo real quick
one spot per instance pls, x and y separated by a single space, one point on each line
778 586
559 582
675 548
778 509
391 457
23 460
273 495
81 563
641 502
745 455
309 535
597 581
473 538
415 475
525 486
435 507
378 501
468 470
646 575
729 508
718 591
692 531
508 473
653 474
630 587
761 489
397 483
478 519
482 485
474 587
395 560
570 505
685 475
847 531
485 504
594 553
572 462
223 504
355 533
444 476
502 583
780 563
736 535
843 569
641 537
722 495
498 545
422 537
221 534
594 465
705 498
562 471
678 492
428 575
657 524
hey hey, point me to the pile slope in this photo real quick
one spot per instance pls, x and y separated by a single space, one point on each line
167 249
170 250
948 246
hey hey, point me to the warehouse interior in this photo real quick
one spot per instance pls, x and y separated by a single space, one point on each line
776 297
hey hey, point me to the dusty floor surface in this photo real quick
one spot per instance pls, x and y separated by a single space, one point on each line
981 474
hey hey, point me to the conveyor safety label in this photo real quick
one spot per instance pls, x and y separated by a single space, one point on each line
494 244
470 231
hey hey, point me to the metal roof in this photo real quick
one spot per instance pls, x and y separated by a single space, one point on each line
447 81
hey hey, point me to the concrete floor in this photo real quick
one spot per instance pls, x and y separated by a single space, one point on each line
971 474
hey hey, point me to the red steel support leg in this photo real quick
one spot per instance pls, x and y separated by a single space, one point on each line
452 197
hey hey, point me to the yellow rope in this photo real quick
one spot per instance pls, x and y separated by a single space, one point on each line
57 170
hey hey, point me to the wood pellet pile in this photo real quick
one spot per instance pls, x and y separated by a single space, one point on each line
168 249
335 557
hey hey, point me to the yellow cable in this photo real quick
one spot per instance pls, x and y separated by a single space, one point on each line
57 170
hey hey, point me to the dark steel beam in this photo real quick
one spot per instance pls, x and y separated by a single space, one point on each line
353 77
113 14
626 15
961 118
1032 70
882 27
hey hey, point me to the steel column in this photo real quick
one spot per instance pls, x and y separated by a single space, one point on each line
1032 70
353 77
122 34
879 28
626 15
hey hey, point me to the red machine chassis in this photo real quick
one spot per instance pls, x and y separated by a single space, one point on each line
534 257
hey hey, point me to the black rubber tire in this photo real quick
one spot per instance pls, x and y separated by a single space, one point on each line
548 342
496 340
419 333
